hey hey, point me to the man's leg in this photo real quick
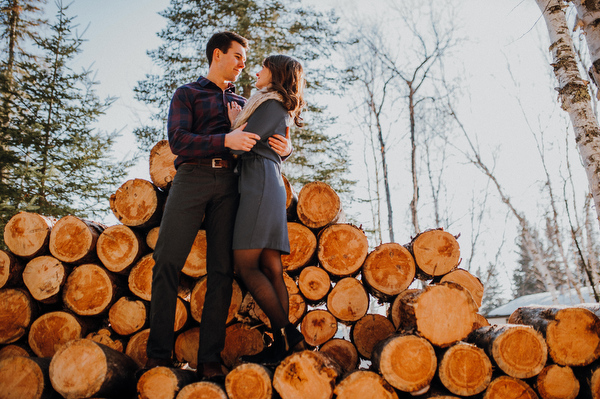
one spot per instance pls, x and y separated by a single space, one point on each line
180 223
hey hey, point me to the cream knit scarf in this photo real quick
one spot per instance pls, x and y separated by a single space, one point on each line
253 103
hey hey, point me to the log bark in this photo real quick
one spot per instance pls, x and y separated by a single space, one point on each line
407 362
303 247
444 313
164 382
84 368
388 270
342 249
201 390
128 315
11 270
197 300
319 205
464 369
519 351
572 334
291 200
136 347
363 384
138 203
318 327
44 276
369 331
52 330
73 240
306 374
249 381
27 234
162 164
348 301
436 252
90 290
343 352
506 387
395 310
140 277
17 312
470 282
240 340
24 377
556 381
314 283
119 248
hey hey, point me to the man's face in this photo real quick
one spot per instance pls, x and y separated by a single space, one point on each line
232 62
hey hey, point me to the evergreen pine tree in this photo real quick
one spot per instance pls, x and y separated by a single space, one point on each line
526 278
271 26
493 293
66 164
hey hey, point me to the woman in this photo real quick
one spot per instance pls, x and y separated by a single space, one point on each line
260 234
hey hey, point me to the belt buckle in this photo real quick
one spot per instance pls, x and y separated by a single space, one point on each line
217 163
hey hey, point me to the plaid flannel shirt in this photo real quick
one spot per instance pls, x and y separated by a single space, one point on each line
198 120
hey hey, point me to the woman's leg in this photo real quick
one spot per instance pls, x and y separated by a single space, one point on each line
270 264
247 266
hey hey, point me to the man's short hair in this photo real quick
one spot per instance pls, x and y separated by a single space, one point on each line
222 41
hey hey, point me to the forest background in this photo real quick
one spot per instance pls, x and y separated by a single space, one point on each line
486 153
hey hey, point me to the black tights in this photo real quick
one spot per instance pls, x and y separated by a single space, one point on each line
262 273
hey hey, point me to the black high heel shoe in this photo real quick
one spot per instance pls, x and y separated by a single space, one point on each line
286 340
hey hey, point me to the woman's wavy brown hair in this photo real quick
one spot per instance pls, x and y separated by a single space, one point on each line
287 79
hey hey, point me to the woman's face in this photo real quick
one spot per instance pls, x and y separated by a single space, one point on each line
263 78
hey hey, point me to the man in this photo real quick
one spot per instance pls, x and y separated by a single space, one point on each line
205 187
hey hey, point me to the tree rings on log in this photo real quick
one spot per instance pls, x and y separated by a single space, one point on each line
465 369
44 276
388 270
25 378
137 203
202 390
186 347
107 336
556 381
136 347
240 340
369 331
362 384
13 350
303 246
11 270
119 247
162 164
249 381
90 290
84 369
444 313
518 350
16 314
152 237
342 249
436 252
407 362
343 352
197 300
140 277
318 327
572 334
52 330
306 374
27 234
164 382
319 205
314 283
128 315
506 387
348 301
468 281
73 240
195 263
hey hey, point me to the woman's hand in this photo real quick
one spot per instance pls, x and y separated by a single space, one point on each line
281 145
233 109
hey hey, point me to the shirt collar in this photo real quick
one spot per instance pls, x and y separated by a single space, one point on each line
206 82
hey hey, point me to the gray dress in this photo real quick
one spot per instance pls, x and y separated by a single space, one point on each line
261 220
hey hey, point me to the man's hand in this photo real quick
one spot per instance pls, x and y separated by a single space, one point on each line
240 140
281 145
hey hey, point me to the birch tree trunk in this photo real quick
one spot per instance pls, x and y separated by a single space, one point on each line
573 93
588 13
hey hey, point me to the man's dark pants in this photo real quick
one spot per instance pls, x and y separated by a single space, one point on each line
197 192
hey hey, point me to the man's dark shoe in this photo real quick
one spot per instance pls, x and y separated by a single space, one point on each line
211 371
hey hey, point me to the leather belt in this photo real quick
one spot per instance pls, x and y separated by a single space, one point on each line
215 163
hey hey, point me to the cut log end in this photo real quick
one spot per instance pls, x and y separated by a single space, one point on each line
436 252
303 246
388 270
364 384
342 249
348 301
465 369
249 380
556 381
319 205
27 234
369 331
506 387
162 164
314 283
318 327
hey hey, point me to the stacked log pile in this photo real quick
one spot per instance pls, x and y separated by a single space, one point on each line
386 322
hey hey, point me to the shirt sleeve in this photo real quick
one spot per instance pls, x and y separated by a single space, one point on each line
179 129
269 119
